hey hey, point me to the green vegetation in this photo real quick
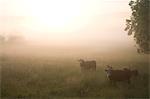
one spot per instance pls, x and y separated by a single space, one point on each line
60 78
138 24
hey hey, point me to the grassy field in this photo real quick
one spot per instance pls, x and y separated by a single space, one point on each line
60 78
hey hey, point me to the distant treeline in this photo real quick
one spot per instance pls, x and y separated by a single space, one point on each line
11 39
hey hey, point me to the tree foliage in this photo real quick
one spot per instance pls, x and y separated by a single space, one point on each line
138 24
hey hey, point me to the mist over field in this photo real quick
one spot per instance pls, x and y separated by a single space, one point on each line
49 47
104 52
41 71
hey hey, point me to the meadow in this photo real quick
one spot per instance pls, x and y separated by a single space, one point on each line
24 77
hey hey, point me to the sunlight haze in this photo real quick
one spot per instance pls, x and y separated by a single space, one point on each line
66 22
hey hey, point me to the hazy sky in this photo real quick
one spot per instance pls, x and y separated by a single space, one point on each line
67 22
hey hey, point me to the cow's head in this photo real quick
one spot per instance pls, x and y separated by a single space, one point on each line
108 72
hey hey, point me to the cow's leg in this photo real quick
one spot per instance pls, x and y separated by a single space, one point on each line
112 82
95 68
129 81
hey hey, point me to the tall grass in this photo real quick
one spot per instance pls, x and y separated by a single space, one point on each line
61 78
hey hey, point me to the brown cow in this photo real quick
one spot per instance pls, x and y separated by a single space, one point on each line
87 65
121 75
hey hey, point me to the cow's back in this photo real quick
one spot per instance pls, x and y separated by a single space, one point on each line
119 75
88 66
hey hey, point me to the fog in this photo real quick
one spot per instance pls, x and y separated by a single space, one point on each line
80 29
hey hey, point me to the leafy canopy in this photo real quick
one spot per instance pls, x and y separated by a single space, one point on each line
138 24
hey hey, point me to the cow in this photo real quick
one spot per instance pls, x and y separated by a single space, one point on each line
120 75
87 65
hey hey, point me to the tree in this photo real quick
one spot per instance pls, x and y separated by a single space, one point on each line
138 24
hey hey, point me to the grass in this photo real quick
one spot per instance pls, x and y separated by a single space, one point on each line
60 78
